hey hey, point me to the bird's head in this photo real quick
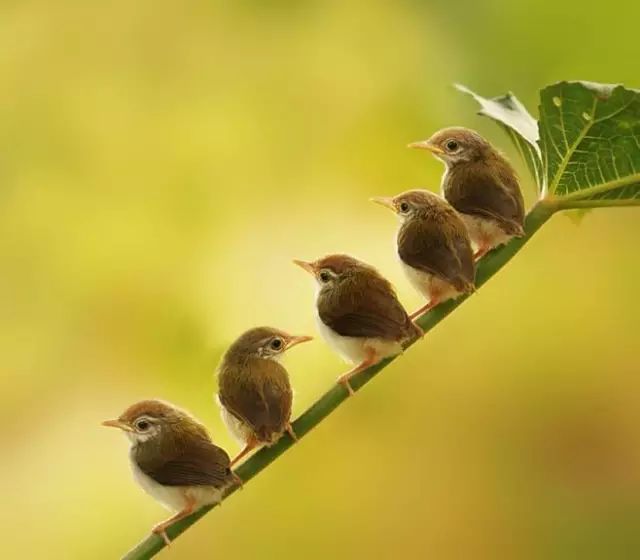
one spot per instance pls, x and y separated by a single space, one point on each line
455 145
332 271
410 204
151 421
264 342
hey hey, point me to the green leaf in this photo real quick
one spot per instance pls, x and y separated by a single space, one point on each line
590 141
577 215
518 123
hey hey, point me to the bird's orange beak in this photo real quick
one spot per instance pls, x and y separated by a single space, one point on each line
117 424
426 145
294 340
385 201
309 267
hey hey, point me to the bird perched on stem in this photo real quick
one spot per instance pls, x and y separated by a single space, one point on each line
479 183
358 313
173 459
254 389
433 246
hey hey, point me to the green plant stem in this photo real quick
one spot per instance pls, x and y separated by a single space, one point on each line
563 204
489 265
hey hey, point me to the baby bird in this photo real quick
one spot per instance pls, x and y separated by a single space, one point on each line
433 246
479 183
358 313
254 389
173 459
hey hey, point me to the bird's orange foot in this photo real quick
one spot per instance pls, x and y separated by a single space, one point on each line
161 530
481 252
237 480
290 431
250 446
370 360
344 381
424 309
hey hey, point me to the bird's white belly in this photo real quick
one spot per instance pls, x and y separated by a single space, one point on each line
354 349
429 285
484 232
174 498
238 429
420 280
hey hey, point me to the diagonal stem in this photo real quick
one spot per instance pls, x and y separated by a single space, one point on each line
490 264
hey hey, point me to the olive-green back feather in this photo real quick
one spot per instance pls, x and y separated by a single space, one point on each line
436 241
487 187
183 455
257 391
365 305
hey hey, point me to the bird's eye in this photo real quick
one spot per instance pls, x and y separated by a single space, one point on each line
324 276
452 145
404 207
143 425
276 344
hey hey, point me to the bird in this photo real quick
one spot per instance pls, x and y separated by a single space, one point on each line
173 459
254 391
480 183
433 245
358 313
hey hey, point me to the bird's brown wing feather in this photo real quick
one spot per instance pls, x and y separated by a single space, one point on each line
438 247
193 462
463 248
261 399
489 192
368 311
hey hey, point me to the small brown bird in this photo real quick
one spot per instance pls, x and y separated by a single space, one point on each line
254 389
433 246
358 313
479 183
173 459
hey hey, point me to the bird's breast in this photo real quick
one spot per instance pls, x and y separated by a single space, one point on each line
354 349
170 497
420 280
239 429
175 498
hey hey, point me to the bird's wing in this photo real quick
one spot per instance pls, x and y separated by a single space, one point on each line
462 247
372 311
438 247
194 462
278 395
495 194
263 402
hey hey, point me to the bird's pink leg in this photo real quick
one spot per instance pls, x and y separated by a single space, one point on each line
237 480
289 429
481 252
371 359
250 445
433 302
435 298
161 528
484 246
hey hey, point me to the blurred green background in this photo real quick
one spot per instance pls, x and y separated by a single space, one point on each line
160 165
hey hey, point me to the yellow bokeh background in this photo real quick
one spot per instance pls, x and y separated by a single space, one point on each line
160 165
